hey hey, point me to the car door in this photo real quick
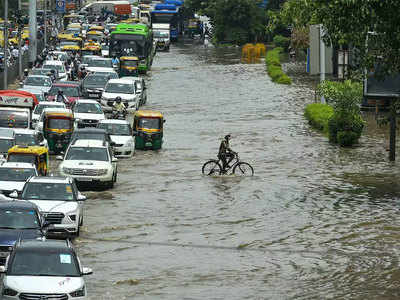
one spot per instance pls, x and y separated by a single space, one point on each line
80 203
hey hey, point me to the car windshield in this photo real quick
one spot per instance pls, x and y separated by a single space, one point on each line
87 153
48 191
26 139
149 123
45 262
41 71
14 218
69 91
86 59
14 119
39 108
90 108
59 68
123 88
102 63
115 129
5 145
97 80
57 123
21 157
160 34
16 174
111 75
37 81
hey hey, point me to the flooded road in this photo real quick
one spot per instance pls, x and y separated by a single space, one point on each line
315 222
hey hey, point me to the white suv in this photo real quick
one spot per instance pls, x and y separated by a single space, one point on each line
59 201
124 88
121 134
90 161
13 176
87 113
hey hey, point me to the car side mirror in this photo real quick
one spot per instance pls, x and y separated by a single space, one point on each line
164 121
114 159
134 133
2 269
59 157
14 194
81 197
87 271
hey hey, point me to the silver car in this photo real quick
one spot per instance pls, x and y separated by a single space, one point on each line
38 82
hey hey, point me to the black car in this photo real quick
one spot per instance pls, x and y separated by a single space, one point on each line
18 220
90 133
93 84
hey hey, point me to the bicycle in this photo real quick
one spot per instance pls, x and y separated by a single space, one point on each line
213 167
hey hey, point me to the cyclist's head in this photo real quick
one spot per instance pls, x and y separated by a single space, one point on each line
227 137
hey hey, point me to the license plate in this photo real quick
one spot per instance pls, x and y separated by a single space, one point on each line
84 179
59 146
4 254
93 95
148 144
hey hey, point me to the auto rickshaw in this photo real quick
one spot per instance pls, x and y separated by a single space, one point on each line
37 155
71 44
96 28
57 128
131 21
128 66
148 129
91 48
94 35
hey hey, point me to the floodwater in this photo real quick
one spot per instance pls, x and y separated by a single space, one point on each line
315 222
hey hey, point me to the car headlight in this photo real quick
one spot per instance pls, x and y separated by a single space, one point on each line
9 292
102 171
67 170
129 144
72 217
78 293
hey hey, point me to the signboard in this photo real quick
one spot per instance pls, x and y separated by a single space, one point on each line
60 6
16 101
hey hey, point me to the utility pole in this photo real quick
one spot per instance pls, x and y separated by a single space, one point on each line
5 84
32 33
321 58
19 39
45 22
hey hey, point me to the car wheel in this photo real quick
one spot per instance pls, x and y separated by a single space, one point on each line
81 222
115 176
78 232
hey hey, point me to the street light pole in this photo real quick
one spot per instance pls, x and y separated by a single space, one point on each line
45 22
321 58
5 84
19 40
32 32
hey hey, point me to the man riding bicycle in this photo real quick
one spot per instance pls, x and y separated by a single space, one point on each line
226 154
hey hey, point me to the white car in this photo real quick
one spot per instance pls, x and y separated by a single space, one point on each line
105 50
87 113
100 64
90 161
29 137
59 201
124 88
39 82
141 89
56 65
120 132
40 107
14 175
43 269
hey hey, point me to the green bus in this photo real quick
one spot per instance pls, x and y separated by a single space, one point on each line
133 40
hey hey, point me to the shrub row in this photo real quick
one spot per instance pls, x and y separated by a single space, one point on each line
318 115
281 41
274 67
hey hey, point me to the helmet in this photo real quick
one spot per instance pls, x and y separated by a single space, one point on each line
82 68
52 71
118 99
60 92
227 137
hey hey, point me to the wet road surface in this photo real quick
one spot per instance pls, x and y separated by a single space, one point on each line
315 222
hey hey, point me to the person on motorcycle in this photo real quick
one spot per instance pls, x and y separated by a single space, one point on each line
226 154
82 72
60 97
118 106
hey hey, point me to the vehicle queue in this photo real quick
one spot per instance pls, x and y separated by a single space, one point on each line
81 104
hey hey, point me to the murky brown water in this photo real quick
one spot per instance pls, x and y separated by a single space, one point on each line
315 222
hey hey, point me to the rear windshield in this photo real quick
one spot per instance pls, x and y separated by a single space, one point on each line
69 91
13 119
16 174
59 123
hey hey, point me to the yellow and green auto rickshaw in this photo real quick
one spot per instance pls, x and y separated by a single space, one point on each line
128 66
71 44
94 35
57 128
37 155
148 129
91 48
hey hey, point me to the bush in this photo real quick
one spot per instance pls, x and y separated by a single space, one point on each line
281 41
318 115
274 68
347 138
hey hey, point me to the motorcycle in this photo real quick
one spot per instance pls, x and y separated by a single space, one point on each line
118 114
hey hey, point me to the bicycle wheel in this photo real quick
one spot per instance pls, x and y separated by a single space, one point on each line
243 168
212 167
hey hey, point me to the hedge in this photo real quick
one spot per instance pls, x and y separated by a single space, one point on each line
281 41
318 115
274 68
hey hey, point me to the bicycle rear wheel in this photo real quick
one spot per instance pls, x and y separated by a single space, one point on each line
212 167
243 168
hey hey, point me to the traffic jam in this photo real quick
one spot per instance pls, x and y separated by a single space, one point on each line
83 106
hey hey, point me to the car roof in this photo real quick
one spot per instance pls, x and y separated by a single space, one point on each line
119 80
38 76
90 129
50 179
32 90
89 143
102 58
51 103
18 165
21 204
113 121
86 101
45 244
24 131
53 62
60 84
7 133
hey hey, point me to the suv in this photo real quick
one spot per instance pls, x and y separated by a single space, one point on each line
59 201
43 269
124 88
121 134
18 219
90 161
141 89
87 113
13 176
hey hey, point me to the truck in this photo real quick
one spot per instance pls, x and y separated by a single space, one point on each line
161 35
120 7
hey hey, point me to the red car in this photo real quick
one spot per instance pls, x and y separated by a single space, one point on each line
71 90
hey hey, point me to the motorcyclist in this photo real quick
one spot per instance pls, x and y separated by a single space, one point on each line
82 72
115 60
61 97
118 106
226 154
53 75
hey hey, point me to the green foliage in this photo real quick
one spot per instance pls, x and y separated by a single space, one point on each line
281 41
346 124
274 67
318 115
